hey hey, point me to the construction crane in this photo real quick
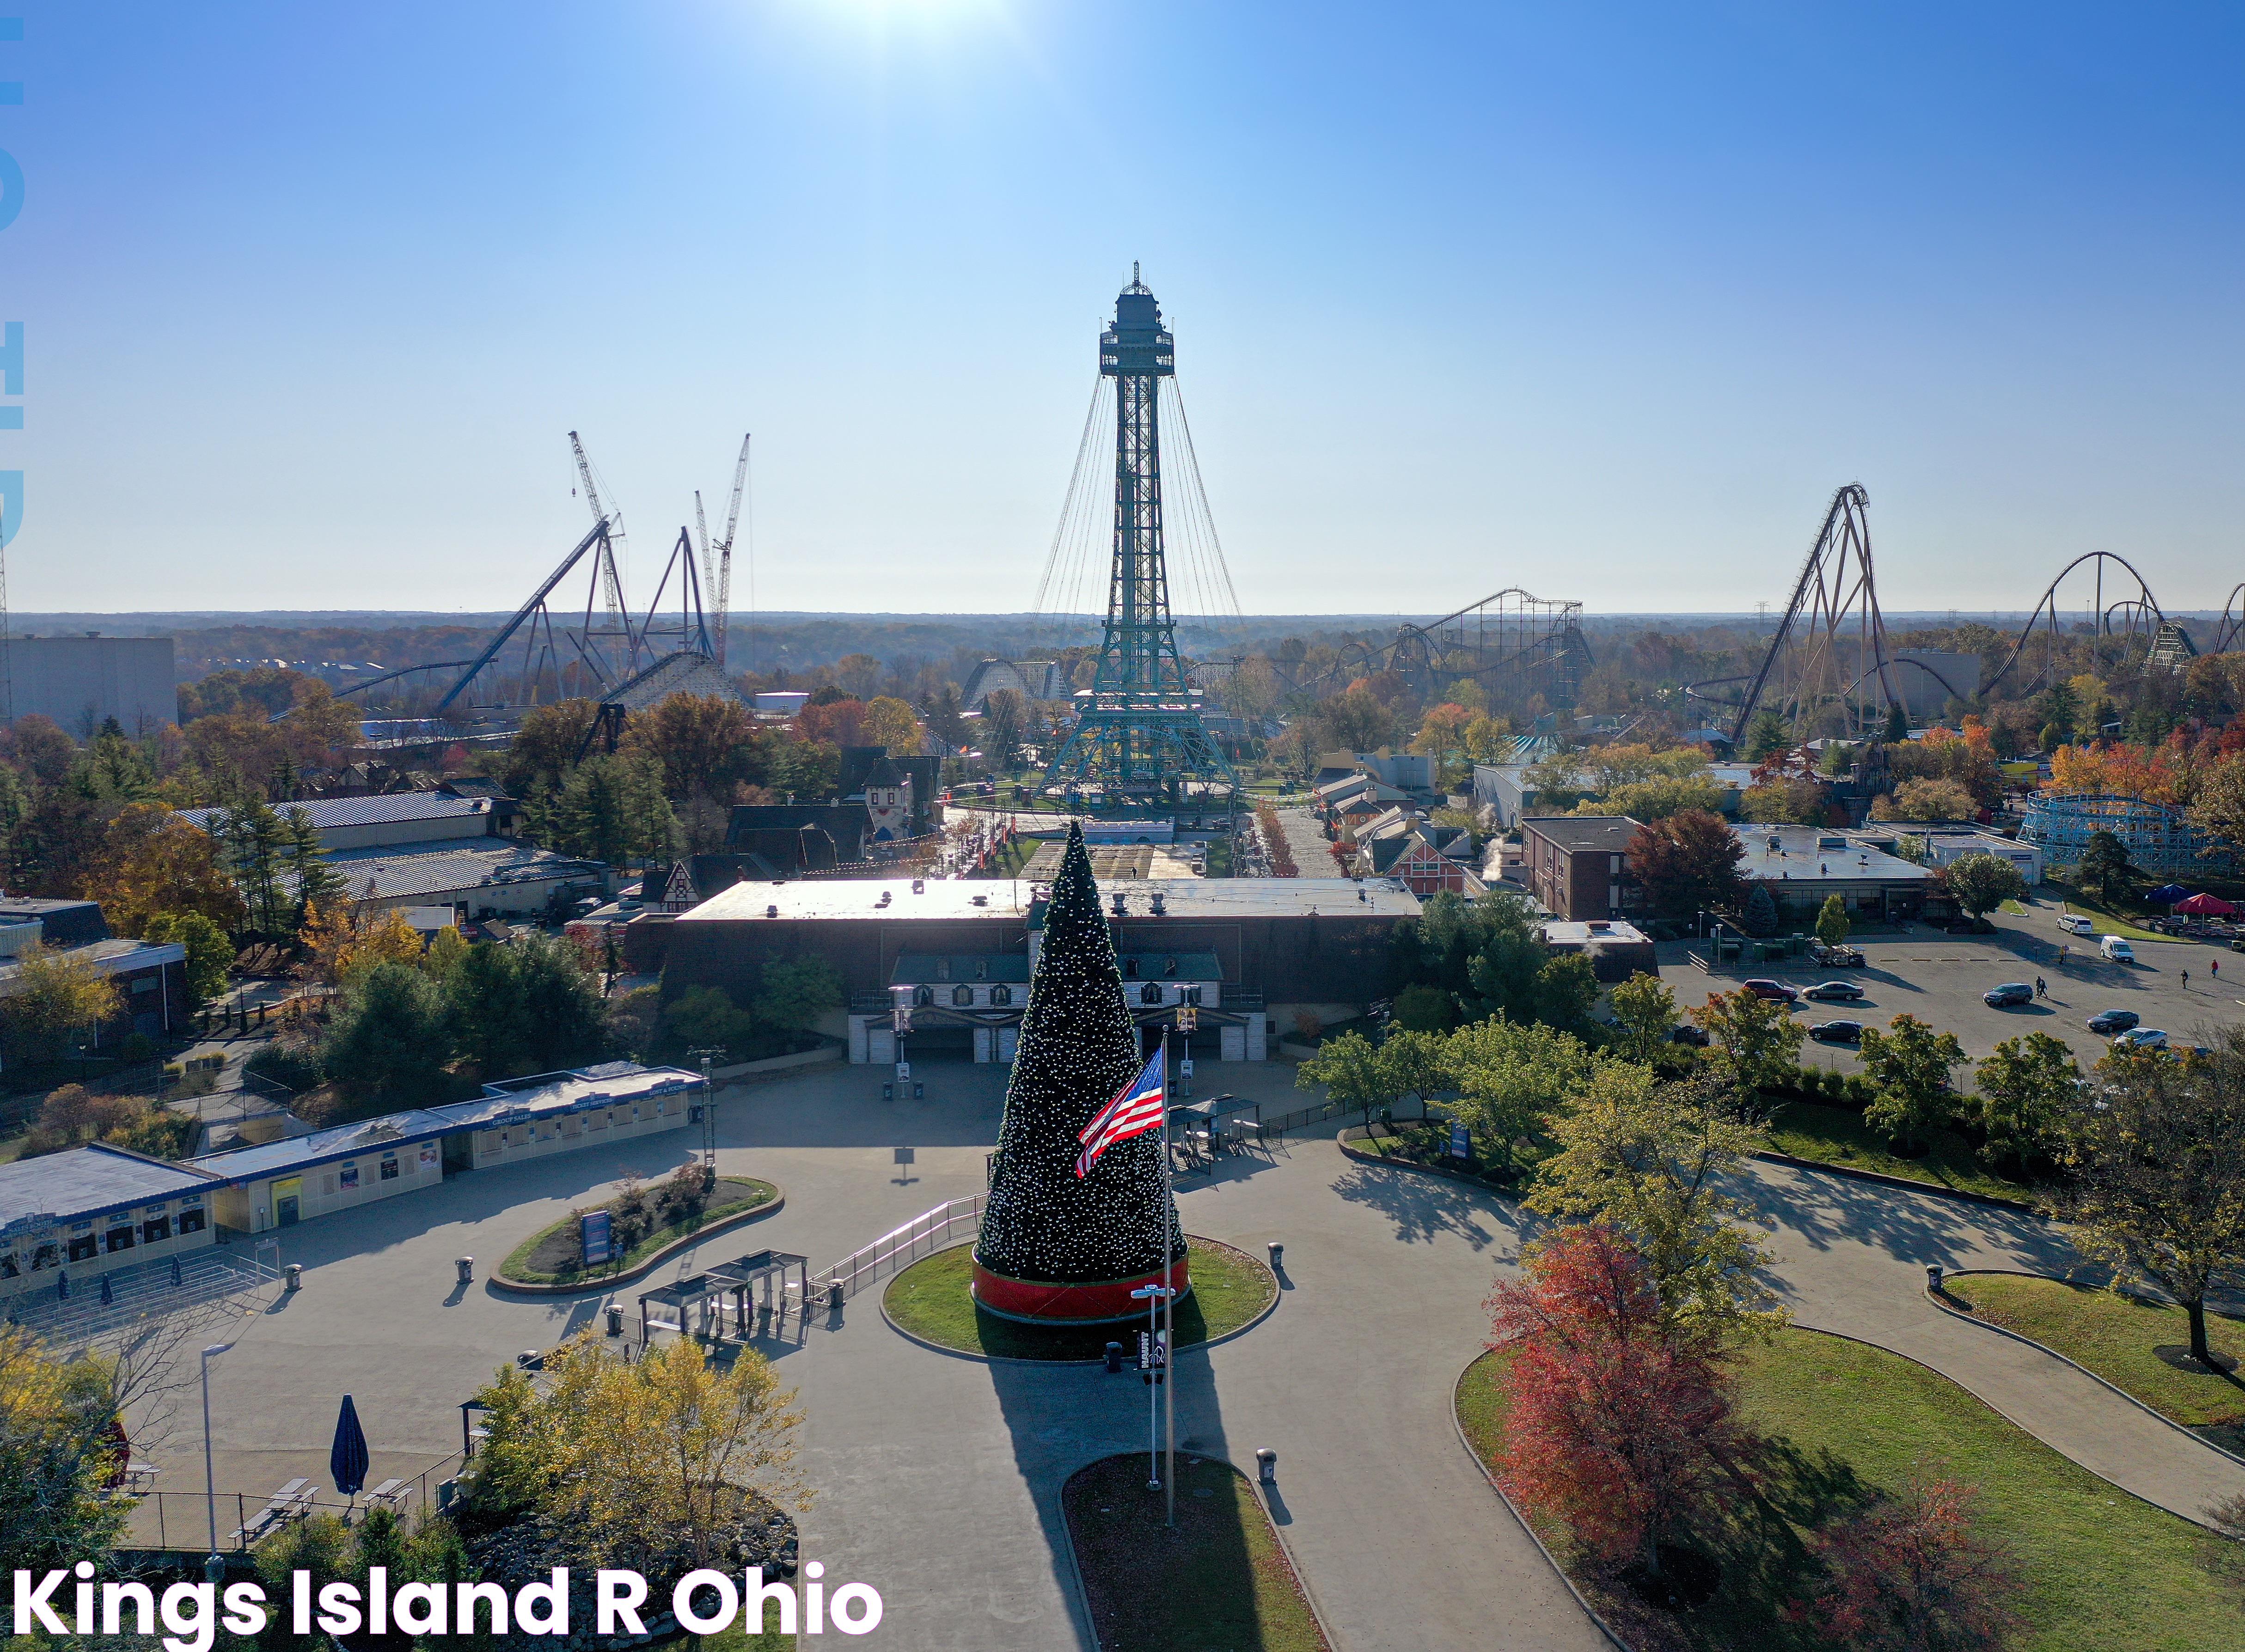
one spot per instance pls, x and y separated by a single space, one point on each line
720 580
616 526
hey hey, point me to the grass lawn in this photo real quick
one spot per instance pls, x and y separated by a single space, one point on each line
930 1299
2114 1335
1841 1421
1009 861
549 1257
2108 921
1839 1135
1219 1583
2015 909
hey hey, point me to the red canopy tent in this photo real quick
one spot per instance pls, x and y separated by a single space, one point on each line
2205 906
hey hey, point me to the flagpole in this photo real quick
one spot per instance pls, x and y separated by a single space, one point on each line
1168 1310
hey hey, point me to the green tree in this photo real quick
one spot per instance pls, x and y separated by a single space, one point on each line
706 1018
1757 1041
1511 1079
612 809
1651 1159
1646 1010
390 1040
562 999
210 955
1910 1064
59 1446
1982 882
305 865
1566 993
256 843
791 997
58 999
2104 870
1897 724
2026 1089
1767 736
1350 1072
1484 953
489 1011
1760 917
1425 1009
1831 921
2156 1165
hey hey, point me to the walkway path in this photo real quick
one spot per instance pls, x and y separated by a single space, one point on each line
938 1477
1852 1259
1306 843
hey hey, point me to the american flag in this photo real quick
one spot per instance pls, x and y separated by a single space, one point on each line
1136 1110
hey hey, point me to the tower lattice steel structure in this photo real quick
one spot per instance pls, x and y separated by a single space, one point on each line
1138 736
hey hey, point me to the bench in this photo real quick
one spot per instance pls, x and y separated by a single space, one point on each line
290 1502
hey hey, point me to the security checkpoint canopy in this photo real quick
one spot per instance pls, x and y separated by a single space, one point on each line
738 1278
1216 1107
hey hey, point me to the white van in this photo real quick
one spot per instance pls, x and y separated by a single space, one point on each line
2116 951
2076 923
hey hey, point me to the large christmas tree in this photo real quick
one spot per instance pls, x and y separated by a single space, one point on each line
1043 1229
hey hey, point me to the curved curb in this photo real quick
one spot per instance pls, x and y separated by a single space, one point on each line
2124 1491
1363 1157
771 1207
1513 1508
1268 1308
1277 1536
2005 1330
1903 1182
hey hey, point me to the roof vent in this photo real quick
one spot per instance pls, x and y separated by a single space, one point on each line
1158 908
1121 908
977 900
771 911
920 886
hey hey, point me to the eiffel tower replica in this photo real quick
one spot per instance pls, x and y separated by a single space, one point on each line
1139 740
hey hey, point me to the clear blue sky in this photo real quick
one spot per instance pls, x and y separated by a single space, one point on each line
1603 301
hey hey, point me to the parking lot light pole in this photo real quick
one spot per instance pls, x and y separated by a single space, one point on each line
214 1564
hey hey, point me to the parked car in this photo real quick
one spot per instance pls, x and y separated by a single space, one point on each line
2107 1022
1838 992
2114 950
2076 923
2142 1038
1687 1034
1837 1031
1777 990
2010 992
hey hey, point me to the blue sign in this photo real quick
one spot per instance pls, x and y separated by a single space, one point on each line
593 1234
1461 1145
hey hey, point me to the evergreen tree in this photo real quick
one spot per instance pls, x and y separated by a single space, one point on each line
1760 915
1078 1048
317 883
1897 724
254 836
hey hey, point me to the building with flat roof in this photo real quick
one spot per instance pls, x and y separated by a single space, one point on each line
1269 947
1577 864
1803 865
278 1184
90 1209
1617 950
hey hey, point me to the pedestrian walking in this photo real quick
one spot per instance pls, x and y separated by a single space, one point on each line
2061 955
2214 969
2186 980
2042 987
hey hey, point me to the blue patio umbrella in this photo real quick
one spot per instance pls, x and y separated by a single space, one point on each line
347 1457
2167 895
106 1295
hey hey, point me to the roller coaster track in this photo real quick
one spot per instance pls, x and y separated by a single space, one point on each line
2232 624
1532 631
2141 612
1837 591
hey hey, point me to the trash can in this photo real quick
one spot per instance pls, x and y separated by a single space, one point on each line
467 1267
615 1319
295 1270
1113 1358
1266 1465
1278 1257
834 1296
1933 1277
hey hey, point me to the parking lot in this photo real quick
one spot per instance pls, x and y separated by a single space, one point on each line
1939 979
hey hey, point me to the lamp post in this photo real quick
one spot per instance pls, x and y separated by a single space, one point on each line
900 1022
214 1563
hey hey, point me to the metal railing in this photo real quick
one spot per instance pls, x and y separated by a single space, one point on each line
923 1234
210 1280
246 1517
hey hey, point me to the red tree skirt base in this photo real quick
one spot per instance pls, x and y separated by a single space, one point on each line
1042 1302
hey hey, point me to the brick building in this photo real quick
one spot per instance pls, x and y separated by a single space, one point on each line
1577 865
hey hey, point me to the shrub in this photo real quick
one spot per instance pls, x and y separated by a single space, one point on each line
1910 1571
1425 1009
296 1067
684 1194
136 1048
633 1216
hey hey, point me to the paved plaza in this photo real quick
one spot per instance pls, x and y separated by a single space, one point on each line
937 1476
